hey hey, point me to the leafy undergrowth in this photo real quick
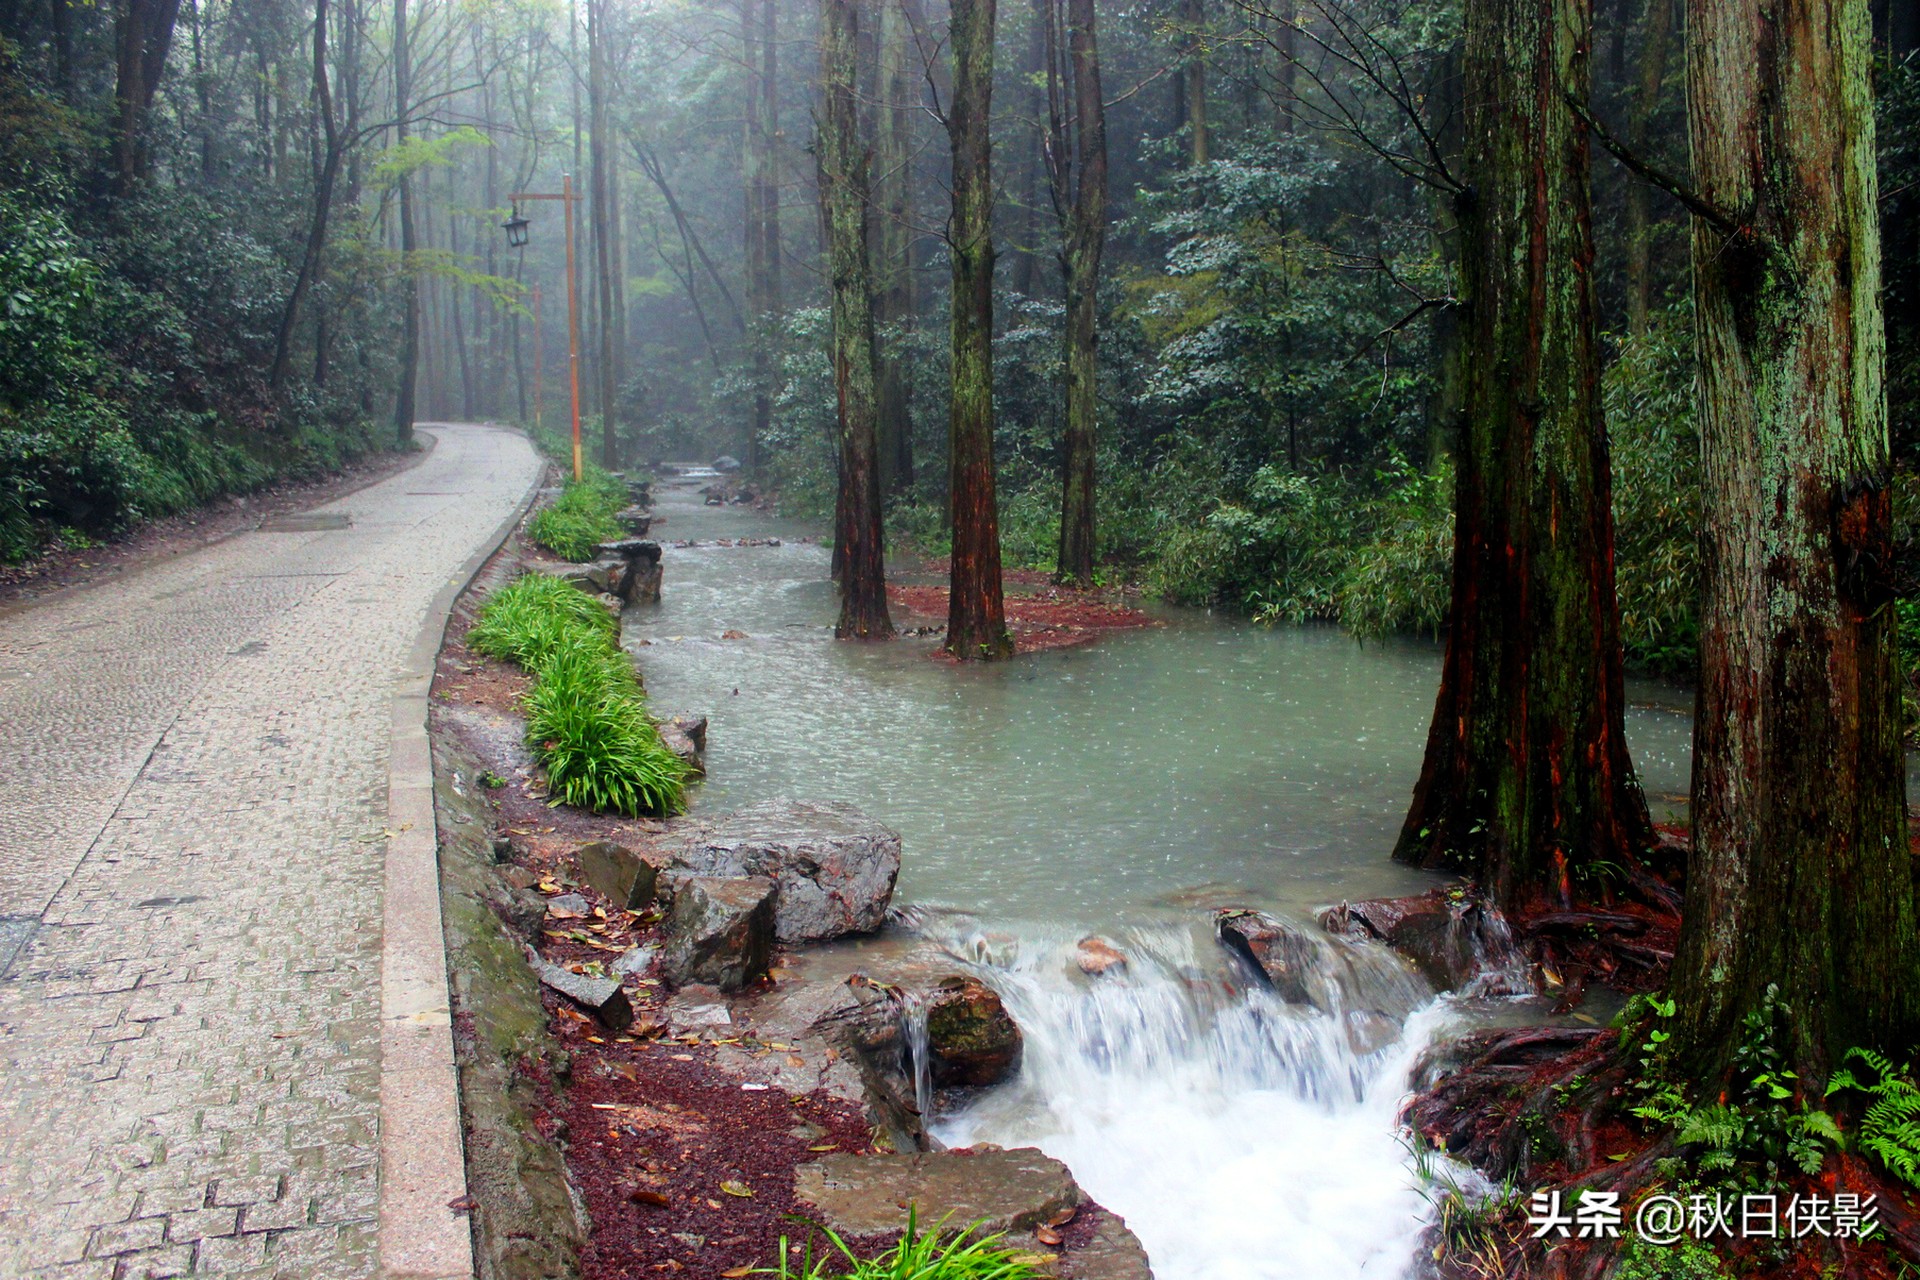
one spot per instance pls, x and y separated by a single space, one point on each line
582 517
587 720
918 1255
1560 1114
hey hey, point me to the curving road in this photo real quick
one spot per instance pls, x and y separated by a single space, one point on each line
193 790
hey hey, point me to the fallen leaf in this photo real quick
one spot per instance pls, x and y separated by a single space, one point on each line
646 1195
682 1057
795 1060
740 1189
736 1273
714 1204
1063 1217
461 1204
1047 1235
595 1040
826 1146
754 1086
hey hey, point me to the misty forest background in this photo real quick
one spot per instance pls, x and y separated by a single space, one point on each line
231 229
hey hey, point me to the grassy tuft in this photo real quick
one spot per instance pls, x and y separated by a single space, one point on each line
587 717
581 517
917 1256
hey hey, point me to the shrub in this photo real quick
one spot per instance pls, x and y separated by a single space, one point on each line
587 720
1687 1260
1890 1129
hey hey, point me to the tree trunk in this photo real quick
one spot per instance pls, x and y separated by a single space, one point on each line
758 33
601 200
843 188
1084 233
976 610
409 238
145 30
323 183
1800 873
1285 102
1195 81
1653 72
1526 782
894 302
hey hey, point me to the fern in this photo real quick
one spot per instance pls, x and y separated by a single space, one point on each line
1890 1129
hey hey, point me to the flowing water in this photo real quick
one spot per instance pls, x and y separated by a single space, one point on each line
1122 789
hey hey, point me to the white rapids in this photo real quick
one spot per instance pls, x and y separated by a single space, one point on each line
1240 1137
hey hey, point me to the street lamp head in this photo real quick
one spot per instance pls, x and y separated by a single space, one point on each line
516 229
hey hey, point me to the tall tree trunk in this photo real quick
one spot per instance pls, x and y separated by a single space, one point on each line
894 302
759 167
1032 151
1286 75
1082 199
1799 874
409 236
1194 82
144 33
604 249
1527 782
976 609
323 182
844 182
1653 72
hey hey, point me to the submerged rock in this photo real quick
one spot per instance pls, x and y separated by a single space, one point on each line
1096 957
1002 1191
834 865
1338 976
971 1039
1450 935
720 931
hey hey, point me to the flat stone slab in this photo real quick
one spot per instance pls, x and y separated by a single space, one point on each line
1005 1191
602 997
834 865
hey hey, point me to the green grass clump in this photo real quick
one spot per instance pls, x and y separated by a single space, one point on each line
587 717
526 621
917 1256
582 517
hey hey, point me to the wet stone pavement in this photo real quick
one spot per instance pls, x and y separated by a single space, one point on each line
193 790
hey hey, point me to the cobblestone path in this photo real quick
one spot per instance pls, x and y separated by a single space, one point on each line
193 778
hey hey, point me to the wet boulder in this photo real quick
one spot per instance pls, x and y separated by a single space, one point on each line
602 997
1450 935
972 1041
720 931
726 462
635 520
686 737
618 873
834 865
1096 957
1003 1191
1338 976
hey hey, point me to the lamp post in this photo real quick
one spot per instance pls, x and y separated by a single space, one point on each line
516 229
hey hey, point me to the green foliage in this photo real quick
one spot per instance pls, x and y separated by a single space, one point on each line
1890 1129
1759 1129
1649 398
917 1255
588 724
529 620
1684 1260
587 717
582 517
1320 546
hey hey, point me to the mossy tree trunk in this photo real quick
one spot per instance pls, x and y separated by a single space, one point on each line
1078 170
1800 873
1526 783
844 189
976 609
1657 30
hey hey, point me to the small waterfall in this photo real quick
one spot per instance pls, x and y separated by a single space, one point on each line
913 1027
1243 1137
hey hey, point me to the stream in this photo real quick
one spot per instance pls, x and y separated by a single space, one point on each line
1125 789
